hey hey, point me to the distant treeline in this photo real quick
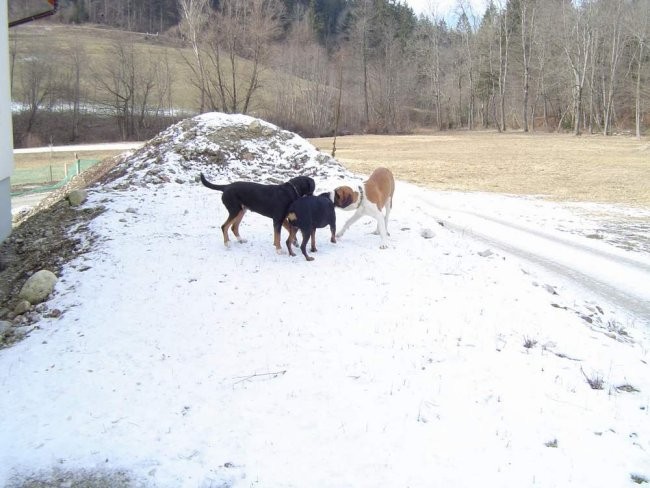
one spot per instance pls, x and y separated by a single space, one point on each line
321 67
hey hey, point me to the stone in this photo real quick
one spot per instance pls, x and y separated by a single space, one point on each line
22 306
38 287
77 197
4 328
255 126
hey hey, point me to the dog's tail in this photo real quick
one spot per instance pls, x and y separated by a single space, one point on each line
212 186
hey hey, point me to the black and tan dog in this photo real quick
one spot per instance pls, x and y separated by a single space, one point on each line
309 214
268 200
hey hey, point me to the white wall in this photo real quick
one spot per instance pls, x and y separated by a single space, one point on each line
6 135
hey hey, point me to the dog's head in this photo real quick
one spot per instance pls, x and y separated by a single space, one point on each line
330 195
304 185
343 196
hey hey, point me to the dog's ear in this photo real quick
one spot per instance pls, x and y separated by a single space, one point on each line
337 197
342 197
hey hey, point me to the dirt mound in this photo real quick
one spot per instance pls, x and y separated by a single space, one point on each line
226 148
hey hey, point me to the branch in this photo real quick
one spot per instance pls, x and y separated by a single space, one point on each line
246 378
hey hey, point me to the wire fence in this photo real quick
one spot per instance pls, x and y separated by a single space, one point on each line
47 178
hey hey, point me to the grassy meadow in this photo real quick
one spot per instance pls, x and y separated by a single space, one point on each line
555 166
95 46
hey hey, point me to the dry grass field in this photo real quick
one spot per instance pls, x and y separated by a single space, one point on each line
559 167
42 160
555 166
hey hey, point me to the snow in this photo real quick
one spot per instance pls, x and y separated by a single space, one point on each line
187 364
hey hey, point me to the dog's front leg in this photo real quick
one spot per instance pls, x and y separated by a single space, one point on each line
357 215
277 226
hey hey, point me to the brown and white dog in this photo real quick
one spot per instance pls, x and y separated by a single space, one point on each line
369 199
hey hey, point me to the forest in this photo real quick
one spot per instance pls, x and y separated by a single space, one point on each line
324 67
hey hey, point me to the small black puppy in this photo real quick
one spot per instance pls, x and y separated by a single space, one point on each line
308 214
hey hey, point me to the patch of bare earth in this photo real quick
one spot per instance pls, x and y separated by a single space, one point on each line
47 237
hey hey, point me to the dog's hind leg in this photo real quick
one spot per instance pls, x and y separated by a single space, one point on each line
389 207
384 215
291 239
232 221
378 215
313 241
303 245
235 225
287 225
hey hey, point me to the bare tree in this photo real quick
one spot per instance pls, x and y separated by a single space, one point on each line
504 49
616 43
466 29
37 85
639 29
360 39
128 85
74 67
13 53
117 81
576 44
429 56
240 49
194 19
527 12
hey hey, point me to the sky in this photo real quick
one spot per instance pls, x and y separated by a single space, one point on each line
459 356
445 8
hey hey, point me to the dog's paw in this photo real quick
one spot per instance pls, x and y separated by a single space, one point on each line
339 234
242 240
383 246
278 251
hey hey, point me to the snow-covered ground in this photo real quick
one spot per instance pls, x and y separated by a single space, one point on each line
460 356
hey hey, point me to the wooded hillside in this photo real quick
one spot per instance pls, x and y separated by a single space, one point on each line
320 67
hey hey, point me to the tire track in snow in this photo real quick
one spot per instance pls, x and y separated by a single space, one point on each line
618 278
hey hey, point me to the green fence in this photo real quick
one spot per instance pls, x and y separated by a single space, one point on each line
47 178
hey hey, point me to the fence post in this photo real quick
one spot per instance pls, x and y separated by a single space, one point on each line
78 166
51 177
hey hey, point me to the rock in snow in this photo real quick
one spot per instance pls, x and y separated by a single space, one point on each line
38 287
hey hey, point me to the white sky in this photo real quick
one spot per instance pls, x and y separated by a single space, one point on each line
443 7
